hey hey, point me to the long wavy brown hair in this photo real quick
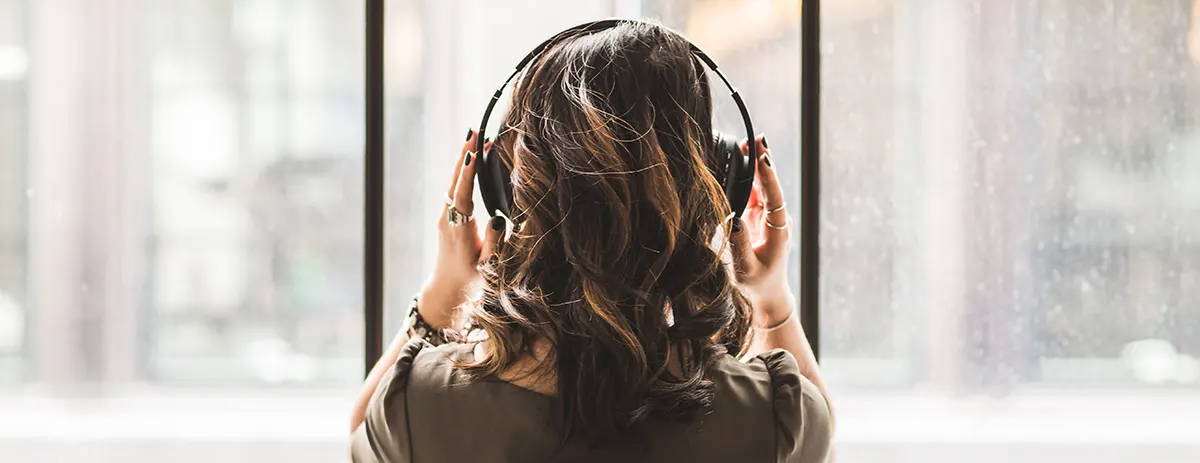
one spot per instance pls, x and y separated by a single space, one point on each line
616 259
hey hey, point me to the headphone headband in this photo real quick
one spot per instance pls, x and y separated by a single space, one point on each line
595 26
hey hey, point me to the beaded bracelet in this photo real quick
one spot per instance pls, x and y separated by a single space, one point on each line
416 326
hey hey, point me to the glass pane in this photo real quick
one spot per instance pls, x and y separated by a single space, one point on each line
444 64
1009 229
180 229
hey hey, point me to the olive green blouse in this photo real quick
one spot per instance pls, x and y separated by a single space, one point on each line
424 410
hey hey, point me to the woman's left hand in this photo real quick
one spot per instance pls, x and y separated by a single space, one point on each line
460 249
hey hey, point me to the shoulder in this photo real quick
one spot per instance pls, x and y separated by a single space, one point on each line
802 416
421 363
385 434
799 412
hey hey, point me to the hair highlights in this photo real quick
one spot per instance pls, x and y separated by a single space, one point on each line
609 138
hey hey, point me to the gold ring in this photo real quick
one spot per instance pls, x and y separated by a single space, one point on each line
776 209
777 227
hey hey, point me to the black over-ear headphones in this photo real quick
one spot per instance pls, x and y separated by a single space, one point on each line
496 187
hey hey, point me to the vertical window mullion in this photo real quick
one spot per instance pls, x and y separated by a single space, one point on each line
373 173
810 170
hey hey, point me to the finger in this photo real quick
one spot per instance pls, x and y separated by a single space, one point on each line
467 146
493 238
744 259
754 207
754 211
755 198
464 189
768 180
777 231
456 169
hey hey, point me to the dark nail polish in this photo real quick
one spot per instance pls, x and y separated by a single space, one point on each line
497 223
765 142
469 133
767 159
737 225
467 158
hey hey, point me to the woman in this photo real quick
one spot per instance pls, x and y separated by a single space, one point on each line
626 316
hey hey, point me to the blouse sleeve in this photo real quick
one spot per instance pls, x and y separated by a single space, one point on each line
383 437
803 427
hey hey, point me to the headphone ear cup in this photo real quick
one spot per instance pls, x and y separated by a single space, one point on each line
495 185
739 174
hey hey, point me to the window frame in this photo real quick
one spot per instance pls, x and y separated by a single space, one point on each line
373 182
810 172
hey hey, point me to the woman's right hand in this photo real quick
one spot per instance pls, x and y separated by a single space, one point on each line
760 246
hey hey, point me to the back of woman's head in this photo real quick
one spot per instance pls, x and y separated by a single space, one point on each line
615 260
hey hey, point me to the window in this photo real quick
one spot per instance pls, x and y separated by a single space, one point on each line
1009 229
180 229
14 64
1009 267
